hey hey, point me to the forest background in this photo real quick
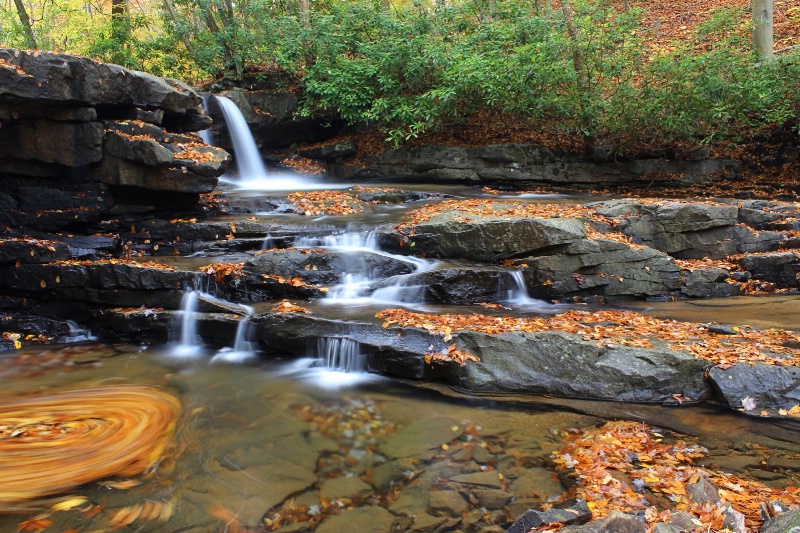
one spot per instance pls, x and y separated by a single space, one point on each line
627 78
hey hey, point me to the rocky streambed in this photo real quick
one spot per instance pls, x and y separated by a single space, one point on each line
115 226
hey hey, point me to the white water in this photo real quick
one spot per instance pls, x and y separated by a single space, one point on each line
252 174
190 345
247 157
337 362
357 285
518 296
242 349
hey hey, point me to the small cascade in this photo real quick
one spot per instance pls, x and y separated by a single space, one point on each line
268 243
248 158
190 344
242 349
340 354
518 294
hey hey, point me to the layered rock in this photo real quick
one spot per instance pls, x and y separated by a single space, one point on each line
513 164
80 138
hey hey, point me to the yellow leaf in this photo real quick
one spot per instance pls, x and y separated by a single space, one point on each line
71 503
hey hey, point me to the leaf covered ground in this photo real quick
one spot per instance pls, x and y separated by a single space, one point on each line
628 466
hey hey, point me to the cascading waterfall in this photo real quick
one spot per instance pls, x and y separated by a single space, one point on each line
248 158
191 344
357 285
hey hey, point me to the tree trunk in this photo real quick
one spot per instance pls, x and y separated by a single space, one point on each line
25 20
762 28
582 79
174 16
305 13
120 29
577 59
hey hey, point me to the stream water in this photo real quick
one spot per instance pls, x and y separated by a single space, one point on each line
265 444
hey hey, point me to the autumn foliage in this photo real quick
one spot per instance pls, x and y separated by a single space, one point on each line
623 328
51 444
627 466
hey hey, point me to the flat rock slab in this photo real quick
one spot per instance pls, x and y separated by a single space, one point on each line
420 436
361 519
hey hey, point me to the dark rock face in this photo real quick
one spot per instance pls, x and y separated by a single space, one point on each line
317 266
50 77
514 164
78 123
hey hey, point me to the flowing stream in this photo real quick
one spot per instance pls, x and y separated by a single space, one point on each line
263 443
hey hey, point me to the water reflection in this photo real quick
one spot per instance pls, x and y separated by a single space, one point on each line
265 446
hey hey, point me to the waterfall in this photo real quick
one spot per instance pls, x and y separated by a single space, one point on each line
190 344
248 158
518 294
340 354
242 349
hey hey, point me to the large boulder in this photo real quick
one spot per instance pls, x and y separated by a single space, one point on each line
769 387
487 240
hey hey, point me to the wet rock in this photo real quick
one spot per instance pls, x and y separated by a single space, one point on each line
331 151
449 285
688 230
344 487
425 523
53 277
413 498
385 475
146 151
734 520
770 386
703 491
484 240
493 499
516 164
616 521
447 501
536 483
575 512
565 365
709 283
602 267
363 519
485 479
120 172
788 522
420 436
72 144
